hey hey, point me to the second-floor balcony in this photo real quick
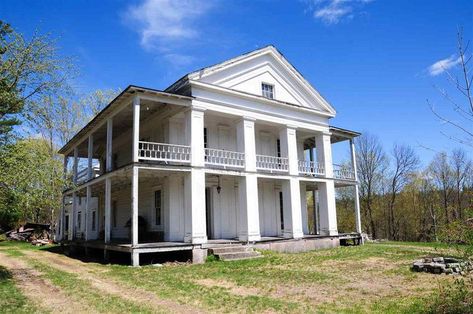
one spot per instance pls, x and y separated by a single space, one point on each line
312 168
272 163
164 152
224 158
343 172
83 174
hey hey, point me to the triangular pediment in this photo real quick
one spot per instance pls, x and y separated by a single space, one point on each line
248 72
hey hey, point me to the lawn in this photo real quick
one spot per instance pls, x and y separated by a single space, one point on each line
371 278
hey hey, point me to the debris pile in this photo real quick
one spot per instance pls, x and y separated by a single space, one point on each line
37 234
442 265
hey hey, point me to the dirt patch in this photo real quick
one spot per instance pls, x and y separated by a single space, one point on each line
40 291
233 288
109 286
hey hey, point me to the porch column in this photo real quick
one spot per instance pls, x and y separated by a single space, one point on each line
327 206
357 200
249 228
87 210
194 128
75 165
108 205
108 154
288 139
90 155
291 188
194 206
134 206
136 129
72 233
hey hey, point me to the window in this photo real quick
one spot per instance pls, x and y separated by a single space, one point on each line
114 213
278 147
157 207
79 220
205 138
93 220
281 210
66 223
267 90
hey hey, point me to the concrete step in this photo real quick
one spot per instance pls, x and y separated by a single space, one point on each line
238 256
230 249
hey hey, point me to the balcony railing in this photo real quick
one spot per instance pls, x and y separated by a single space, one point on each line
272 163
164 152
83 174
311 168
224 158
343 172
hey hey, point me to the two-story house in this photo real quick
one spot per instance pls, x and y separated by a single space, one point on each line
227 154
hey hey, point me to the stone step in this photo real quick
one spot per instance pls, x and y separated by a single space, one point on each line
238 256
230 249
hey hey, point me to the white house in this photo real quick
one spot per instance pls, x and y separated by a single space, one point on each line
226 154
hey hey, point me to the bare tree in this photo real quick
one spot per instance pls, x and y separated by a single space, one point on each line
461 166
371 162
442 175
460 115
405 163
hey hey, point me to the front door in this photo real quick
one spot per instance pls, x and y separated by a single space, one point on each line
208 212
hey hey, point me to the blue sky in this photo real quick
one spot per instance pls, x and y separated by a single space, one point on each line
369 58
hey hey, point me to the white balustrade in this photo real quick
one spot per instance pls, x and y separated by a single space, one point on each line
164 152
343 172
308 167
83 174
225 158
272 163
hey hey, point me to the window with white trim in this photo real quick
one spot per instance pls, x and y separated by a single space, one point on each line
267 90
158 207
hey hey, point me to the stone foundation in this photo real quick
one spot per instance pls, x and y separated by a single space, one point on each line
299 245
442 265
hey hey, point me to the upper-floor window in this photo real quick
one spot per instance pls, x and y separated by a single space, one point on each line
267 90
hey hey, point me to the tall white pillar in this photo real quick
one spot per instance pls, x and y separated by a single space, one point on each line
109 145
72 232
292 209
136 128
357 199
195 135
327 205
108 207
288 139
246 142
249 227
88 199
194 207
75 165
134 206
90 156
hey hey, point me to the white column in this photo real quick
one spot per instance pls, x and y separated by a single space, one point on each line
75 165
194 206
292 209
72 232
195 135
87 210
327 209
323 147
305 217
288 139
90 155
134 206
246 142
249 228
357 200
327 206
108 207
109 147
136 128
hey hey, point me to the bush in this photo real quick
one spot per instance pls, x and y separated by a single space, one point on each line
455 298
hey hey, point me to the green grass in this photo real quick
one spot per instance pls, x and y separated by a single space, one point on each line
11 298
371 278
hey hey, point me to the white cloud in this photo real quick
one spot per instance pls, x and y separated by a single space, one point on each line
164 22
334 11
443 65
179 60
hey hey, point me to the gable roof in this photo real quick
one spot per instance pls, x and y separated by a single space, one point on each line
270 49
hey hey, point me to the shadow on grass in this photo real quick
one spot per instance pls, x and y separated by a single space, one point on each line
5 274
